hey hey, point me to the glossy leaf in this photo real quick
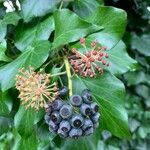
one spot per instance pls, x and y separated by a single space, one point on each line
30 142
34 55
109 93
69 27
4 110
25 120
36 8
120 61
88 6
3 29
9 18
86 143
114 22
26 35
6 124
3 48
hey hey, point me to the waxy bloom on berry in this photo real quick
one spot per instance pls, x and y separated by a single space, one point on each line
34 88
94 59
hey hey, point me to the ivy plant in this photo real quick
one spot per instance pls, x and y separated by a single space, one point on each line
59 43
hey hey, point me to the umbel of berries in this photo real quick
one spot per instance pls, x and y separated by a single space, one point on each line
73 118
93 61
34 88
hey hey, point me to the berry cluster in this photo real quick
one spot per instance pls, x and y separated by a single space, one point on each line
74 118
35 88
93 60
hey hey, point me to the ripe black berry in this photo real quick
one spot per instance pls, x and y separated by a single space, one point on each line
87 96
55 117
63 91
66 111
77 117
57 103
76 100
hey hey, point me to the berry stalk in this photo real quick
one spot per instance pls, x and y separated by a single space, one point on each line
58 74
67 65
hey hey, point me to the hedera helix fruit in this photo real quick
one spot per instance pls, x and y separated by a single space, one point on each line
34 88
94 59
69 117
77 117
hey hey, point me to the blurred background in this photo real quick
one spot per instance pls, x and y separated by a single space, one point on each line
137 39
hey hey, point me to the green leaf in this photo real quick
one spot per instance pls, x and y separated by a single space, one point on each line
34 56
82 6
5 123
134 78
9 18
44 136
2 10
141 44
26 34
25 121
69 27
3 29
3 48
5 107
143 91
114 22
120 61
36 8
30 142
13 140
86 143
17 140
109 93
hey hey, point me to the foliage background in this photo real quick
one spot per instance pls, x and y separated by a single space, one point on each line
137 39
137 83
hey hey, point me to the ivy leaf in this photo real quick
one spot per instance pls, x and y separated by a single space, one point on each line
29 143
114 22
88 6
36 8
3 29
5 123
9 18
109 93
141 44
22 143
26 34
4 110
134 78
44 136
120 61
69 27
86 143
3 48
2 10
34 55
25 121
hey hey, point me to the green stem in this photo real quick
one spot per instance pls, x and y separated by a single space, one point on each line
61 4
67 65
58 74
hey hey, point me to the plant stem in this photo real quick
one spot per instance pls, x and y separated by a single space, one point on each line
58 74
68 75
61 4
